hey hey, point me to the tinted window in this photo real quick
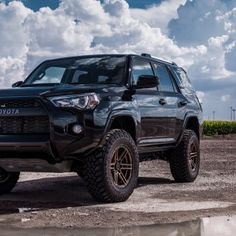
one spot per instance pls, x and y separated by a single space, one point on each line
51 75
182 77
84 70
165 79
98 70
140 67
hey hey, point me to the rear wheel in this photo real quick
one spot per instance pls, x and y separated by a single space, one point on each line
185 159
8 180
111 173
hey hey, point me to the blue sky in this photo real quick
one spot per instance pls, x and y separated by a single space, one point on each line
198 35
35 5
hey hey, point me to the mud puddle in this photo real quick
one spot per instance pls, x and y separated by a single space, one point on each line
18 210
217 226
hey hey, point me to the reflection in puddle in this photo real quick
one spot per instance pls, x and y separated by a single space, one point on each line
18 210
225 226
217 226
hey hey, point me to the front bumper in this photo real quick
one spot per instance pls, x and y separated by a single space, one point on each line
59 143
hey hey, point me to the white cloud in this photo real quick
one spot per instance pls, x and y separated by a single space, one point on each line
158 15
13 41
11 69
212 65
200 96
89 10
198 21
230 57
225 98
98 28
212 24
108 27
229 19
12 33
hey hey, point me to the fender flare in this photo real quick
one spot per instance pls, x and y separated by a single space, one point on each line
186 120
135 116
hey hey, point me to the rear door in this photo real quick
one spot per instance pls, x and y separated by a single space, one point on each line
174 103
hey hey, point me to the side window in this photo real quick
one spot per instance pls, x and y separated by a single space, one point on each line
140 67
183 79
166 84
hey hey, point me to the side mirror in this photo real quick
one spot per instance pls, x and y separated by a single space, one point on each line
17 84
147 81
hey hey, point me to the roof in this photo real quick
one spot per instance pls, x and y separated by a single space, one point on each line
143 55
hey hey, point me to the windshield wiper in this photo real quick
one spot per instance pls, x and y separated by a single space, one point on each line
38 85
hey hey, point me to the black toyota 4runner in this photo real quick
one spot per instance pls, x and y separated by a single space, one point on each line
99 116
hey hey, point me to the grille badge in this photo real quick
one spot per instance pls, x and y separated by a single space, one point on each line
9 111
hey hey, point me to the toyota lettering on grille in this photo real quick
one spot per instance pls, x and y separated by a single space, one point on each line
8 111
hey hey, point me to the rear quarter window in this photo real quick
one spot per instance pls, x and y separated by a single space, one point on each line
182 79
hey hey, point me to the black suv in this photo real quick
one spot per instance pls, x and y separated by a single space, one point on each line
99 115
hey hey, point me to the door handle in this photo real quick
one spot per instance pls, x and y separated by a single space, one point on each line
162 101
183 103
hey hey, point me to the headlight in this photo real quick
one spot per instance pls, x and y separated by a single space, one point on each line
82 102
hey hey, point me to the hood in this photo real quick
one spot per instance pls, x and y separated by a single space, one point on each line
64 89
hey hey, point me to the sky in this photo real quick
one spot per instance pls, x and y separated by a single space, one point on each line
53 4
198 35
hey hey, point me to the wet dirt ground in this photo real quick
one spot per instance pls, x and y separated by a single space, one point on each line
217 226
61 200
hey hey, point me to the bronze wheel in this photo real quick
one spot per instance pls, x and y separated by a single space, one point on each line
193 156
185 159
111 173
121 167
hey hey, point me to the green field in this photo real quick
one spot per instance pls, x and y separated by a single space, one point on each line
219 127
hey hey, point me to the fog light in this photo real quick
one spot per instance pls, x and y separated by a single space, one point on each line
77 129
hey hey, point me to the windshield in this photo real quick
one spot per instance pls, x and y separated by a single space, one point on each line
84 70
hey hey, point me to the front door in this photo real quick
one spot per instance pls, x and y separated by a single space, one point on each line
157 108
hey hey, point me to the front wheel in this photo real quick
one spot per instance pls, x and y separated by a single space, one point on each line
111 173
8 180
185 159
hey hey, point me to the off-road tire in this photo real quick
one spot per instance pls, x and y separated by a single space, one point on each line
8 181
97 172
181 169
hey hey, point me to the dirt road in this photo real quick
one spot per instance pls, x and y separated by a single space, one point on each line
61 200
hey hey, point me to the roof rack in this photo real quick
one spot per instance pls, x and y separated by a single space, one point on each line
146 55
157 59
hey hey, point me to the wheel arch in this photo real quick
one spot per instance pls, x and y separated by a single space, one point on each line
192 123
127 122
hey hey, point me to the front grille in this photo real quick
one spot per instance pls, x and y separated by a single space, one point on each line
24 125
24 103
